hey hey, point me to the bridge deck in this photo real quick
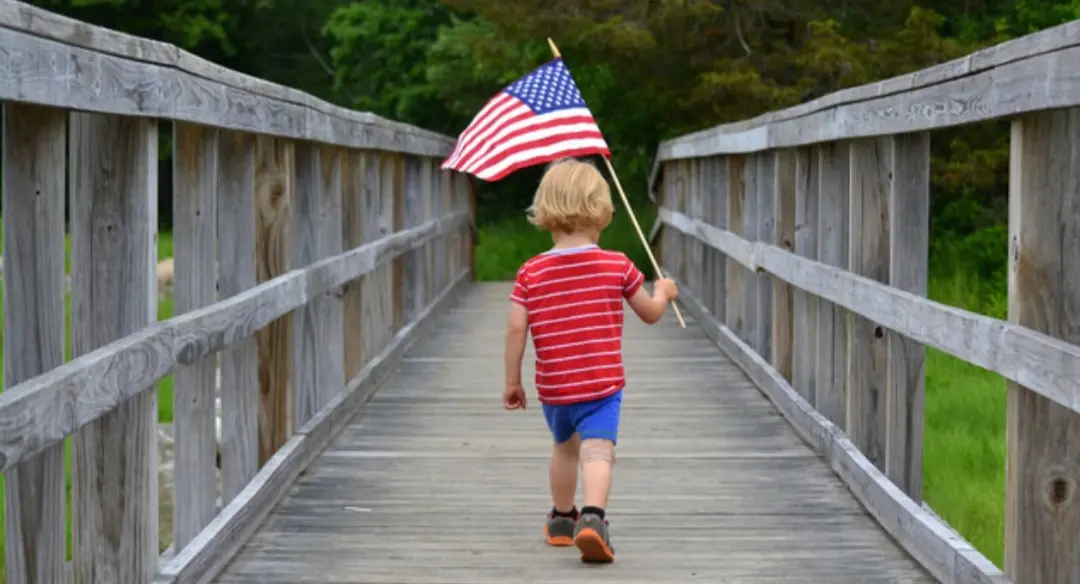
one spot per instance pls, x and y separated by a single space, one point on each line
434 482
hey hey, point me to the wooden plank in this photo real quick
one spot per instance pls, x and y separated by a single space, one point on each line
153 79
868 255
1042 363
95 384
374 324
307 348
909 237
207 555
394 203
426 283
274 186
783 235
719 218
236 273
763 219
946 556
704 199
736 275
195 182
34 160
113 294
681 244
353 216
832 248
412 215
804 305
1041 509
329 307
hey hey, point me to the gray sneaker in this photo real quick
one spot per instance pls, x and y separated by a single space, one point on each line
592 538
559 530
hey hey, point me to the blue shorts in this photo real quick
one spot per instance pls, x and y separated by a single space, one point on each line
591 419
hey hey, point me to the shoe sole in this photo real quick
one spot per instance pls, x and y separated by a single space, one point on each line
592 546
558 540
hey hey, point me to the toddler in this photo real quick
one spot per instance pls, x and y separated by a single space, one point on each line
570 298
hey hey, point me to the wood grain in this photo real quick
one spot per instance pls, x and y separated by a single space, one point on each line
1042 471
353 216
237 273
736 273
909 239
832 249
195 193
34 158
57 61
783 236
307 349
329 306
805 305
868 255
719 217
114 479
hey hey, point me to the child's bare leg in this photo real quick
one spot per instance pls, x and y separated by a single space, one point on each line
597 463
564 473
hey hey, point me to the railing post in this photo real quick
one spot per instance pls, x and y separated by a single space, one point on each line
760 228
735 309
1042 472
718 216
353 214
682 242
114 252
195 182
274 189
868 255
804 304
695 258
832 229
236 273
34 160
376 308
394 195
426 254
783 236
305 249
909 235
413 199
438 211
330 306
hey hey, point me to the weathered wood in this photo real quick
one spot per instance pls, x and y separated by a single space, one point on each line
909 237
804 305
353 216
113 293
783 235
719 218
195 186
868 255
208 554
308 351
131 76
832 249
736 274
919 532
236 273
412 214
1042 472
274 186
34 153
426 261
1042 363
329 306
755 289
394 197
764 221
95 384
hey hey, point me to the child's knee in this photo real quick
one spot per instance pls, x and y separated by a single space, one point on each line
597 450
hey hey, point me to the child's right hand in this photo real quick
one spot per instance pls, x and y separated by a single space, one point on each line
514 397
666 289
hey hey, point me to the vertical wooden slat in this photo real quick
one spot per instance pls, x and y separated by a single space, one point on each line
736 273
450 241
868 255
34 163
413 284
752 293
683 242
705 199
694 256
353 182
804 304
719 217
909 236
274 186
426 254
783 235
113 294
376 316
329 307
470 231
236 273
832 228
394 195
1042 471
666 256
195 182
438 210
763 221
307 347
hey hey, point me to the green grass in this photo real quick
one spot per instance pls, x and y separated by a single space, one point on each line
964 443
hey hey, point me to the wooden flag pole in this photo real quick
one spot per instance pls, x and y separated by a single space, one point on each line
626 203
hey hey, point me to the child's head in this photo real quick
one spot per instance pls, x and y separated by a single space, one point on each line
572 198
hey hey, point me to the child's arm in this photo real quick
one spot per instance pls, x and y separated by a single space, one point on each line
650 308
517 330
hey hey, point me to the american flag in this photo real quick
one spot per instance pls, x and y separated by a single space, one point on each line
538 118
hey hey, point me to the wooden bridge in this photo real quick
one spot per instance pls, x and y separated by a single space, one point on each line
323 274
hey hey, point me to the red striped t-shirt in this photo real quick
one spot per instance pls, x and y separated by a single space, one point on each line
574 298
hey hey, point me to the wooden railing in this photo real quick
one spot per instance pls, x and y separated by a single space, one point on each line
801 241
312 244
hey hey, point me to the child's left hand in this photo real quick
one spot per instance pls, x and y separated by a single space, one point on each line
514 397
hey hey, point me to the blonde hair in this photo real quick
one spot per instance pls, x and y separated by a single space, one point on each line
572 196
